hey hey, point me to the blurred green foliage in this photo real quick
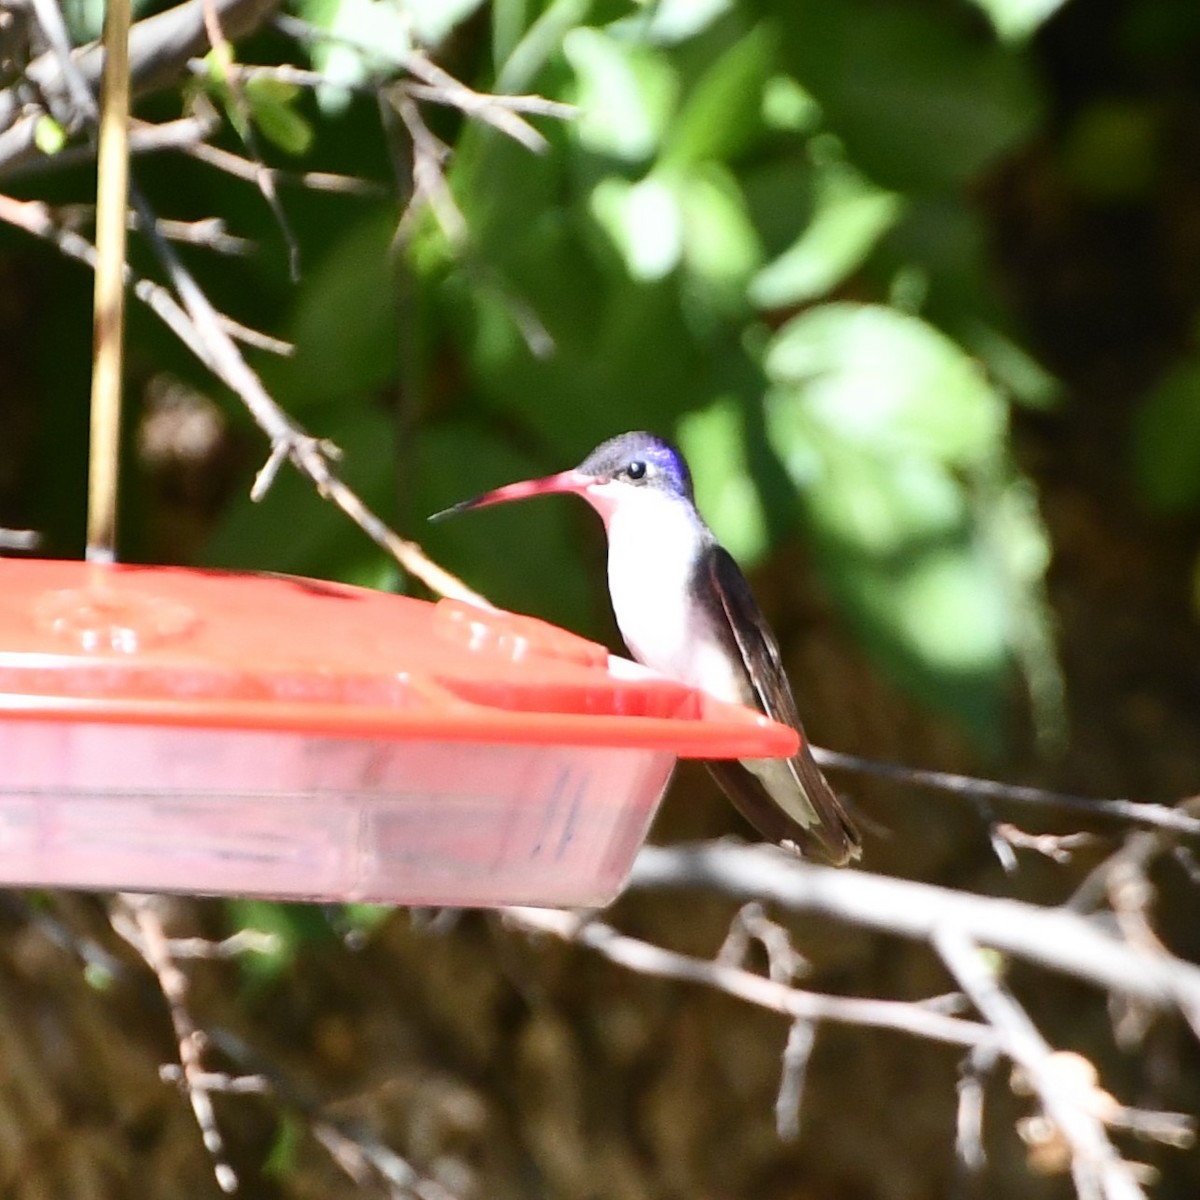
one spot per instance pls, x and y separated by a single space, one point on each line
758 235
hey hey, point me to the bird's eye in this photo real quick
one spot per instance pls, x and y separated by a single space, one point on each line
636 470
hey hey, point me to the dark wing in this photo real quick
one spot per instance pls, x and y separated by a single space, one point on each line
831 834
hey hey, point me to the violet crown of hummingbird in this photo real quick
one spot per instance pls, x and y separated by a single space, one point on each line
685 610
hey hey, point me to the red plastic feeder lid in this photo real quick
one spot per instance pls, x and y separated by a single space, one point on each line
176 647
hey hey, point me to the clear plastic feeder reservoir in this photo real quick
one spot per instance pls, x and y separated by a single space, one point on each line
164 729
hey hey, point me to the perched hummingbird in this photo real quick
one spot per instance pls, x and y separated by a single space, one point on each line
685 610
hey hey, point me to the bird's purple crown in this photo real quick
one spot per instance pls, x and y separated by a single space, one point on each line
617 453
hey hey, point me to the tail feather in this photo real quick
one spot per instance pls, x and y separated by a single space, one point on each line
831 838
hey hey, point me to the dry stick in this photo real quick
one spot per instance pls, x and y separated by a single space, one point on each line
222 53
1098 1170
144 138
108 323
35 218
1055 938
208 339
288 441
243 168
151 943
1155 816
19 539
158 46
645 958
796 1056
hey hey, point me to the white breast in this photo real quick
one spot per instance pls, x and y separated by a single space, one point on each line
653 543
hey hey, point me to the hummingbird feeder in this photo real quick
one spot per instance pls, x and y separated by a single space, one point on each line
166 729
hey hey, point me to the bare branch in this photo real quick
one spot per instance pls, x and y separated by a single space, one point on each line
35 218
144 138
796 1055
1058 847
244 168
159 48
18 539
1055 938
152 944
968 1128
915 1018
1152 816
1099 1171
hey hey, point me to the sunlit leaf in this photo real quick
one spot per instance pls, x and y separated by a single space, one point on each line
788 106
724 107
48 135
626 94
665 22
882 378
644 221
433 20
720 244
365 35
1016 20
712 442
849 217
898 447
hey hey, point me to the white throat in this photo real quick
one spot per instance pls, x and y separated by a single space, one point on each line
654 543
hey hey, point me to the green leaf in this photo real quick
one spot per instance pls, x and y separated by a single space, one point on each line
434 20
898 447
724 108
272 103
644 221
365 36
721 246
788 106
850 216
882 378
48 135
626 94
668 22
1166 441
345 323
713 442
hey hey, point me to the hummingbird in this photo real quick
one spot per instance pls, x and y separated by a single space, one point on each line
685 610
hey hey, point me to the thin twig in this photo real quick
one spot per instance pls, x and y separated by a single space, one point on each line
243 168
159 46
1098 1170
222 53
1058 847
36 218
914 1018
968 1126
1154 816
19 539
151 943
796 1056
